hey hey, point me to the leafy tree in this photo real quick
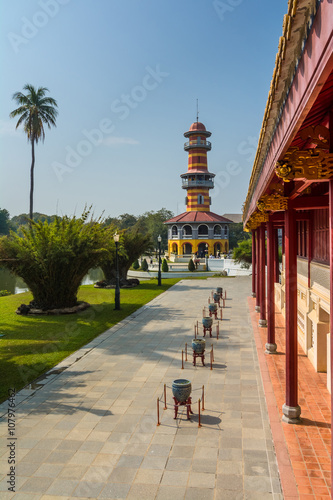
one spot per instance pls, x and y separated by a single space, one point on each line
165 267
35 109
242 254
5 224
237 234
52 258
23 219
153 222
191 266
124 221
132 244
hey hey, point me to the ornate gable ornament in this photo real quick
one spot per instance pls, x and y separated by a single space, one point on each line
272 202
311 164
255 220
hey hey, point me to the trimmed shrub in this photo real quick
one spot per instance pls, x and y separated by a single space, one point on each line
165 267
4 293
144 265
191 266
136 264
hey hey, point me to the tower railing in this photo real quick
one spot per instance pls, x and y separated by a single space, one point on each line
189 183
198 144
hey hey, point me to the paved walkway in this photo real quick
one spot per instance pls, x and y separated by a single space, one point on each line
90 431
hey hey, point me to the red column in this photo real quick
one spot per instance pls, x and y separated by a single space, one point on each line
330 212
254 270
270 345
291 409
276 256
262 267
257 308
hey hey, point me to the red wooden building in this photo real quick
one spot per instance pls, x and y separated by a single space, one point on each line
291 194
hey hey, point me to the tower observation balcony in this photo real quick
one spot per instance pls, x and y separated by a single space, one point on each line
198 144
187 183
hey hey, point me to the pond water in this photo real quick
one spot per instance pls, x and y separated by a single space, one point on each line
15 284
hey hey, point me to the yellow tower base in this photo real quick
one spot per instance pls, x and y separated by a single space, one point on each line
181 247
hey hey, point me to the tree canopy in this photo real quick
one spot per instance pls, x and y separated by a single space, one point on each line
237 234
242 253
5 224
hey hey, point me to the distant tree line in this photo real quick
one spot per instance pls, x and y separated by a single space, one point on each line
149 222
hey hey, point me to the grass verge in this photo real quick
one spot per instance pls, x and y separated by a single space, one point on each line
32 345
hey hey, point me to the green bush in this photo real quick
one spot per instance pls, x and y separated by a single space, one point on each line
191 266
144 265
165 267
52 258
133 243
136 264
4 293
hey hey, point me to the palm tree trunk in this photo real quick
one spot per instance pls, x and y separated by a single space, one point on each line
32 177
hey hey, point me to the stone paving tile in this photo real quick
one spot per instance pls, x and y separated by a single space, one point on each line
199 494
171 492
143 491
97 419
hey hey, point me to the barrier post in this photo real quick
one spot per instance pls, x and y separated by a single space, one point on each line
158 411
199 420
203 397
182 359
165 405
185 351
217 330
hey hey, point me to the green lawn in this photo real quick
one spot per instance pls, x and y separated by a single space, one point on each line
31 346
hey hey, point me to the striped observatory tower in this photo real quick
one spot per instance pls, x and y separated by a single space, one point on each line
198 230
197 180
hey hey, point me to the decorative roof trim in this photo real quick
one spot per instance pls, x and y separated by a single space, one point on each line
296 26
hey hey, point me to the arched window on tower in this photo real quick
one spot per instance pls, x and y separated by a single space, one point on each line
217 230
201 199
174 231
203 230
187 230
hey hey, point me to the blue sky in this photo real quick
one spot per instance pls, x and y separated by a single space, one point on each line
126 75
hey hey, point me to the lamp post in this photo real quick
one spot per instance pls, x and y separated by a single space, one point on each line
159 277
117 290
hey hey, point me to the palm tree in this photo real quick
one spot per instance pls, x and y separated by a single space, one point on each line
35 110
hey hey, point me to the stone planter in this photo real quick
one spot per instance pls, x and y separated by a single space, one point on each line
181 389
212 308
219 290
198 345
207 321
216 297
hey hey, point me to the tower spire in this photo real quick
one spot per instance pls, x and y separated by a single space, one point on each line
197 110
